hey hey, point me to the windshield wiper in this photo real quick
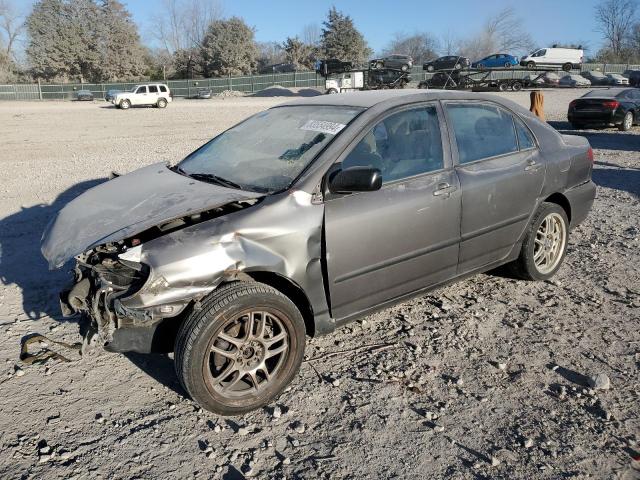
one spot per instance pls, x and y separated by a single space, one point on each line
211 178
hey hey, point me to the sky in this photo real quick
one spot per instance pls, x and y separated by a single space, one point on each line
548 21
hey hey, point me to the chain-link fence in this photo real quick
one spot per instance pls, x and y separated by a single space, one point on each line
245 84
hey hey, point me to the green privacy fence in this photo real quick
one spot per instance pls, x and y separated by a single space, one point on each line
179 88
246 84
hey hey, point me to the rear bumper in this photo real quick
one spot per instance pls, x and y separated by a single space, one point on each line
595 117
581 200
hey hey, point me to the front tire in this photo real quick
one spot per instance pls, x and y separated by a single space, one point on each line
531 65
567 67
125 104
240 349
545 244
430 68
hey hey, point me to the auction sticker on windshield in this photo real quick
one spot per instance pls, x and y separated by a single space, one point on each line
322 126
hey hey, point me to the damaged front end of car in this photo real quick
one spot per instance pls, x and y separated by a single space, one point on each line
102 278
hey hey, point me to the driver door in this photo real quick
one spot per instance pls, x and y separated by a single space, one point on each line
385 244
140 98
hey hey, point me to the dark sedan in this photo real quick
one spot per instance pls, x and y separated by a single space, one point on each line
596 78
111 94
382 196
633 76
84 96
449 62
393 62
613 106
333 65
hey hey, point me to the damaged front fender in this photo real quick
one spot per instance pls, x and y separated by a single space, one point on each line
283 236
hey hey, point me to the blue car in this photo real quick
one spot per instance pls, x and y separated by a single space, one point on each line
498 60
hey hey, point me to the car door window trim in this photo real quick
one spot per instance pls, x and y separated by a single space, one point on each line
447 160
455 154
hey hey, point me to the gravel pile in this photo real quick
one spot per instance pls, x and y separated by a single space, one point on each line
488 378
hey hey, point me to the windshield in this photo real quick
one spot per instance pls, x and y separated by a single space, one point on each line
269 150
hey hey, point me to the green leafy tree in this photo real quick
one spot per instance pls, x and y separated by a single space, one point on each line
341 39
93 40
301 55
229 48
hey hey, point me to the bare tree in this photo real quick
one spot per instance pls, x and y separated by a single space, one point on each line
421 46
311 34
503 32
11 26
615 20
450 44
183 23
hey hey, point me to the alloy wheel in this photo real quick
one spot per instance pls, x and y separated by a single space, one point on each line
549 243
246 354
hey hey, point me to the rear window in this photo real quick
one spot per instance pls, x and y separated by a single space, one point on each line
163 88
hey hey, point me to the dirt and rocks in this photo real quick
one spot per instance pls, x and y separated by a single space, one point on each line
488 378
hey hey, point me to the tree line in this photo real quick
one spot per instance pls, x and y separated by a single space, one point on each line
98 41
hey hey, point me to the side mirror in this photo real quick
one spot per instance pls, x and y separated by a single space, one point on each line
356 179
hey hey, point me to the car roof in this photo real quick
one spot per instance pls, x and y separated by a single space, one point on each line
370 98
606 92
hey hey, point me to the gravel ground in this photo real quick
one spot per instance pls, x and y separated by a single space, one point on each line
488 378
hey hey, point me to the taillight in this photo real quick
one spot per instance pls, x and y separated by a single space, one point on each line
572 104
590 154
612 104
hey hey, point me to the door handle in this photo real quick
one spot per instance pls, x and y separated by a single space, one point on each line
532 165
444 189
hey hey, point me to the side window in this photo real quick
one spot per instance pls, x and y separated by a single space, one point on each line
481 131
142 90
525 140
163 89
153 89
402 145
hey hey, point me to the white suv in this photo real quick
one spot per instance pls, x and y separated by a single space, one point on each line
154 94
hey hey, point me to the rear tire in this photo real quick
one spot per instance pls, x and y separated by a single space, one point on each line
627 122
162 103
503 87
332 91
240 349
545 244
516 86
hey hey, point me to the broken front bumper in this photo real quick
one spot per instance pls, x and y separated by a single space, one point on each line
104 291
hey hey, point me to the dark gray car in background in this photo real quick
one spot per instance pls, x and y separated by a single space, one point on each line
307 216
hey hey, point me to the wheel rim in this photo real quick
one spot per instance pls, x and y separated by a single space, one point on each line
549 243
246 354
627 121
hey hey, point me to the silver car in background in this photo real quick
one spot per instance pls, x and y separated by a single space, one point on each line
617 79
574 81
307 216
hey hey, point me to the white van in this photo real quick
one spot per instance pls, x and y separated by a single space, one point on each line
567 58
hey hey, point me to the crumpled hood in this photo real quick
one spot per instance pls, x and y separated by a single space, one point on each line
128 205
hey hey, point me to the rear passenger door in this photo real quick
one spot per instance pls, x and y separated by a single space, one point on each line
153 95
501 174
